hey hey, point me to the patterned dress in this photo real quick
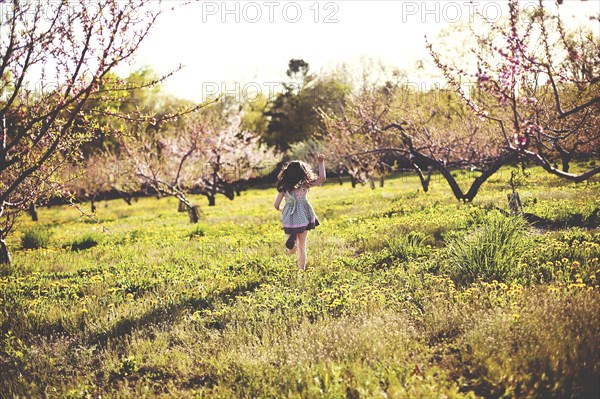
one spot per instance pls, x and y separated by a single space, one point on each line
297 214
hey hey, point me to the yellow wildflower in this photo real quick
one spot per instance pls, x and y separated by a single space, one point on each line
576 285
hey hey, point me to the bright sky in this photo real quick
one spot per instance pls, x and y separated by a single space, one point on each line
246 45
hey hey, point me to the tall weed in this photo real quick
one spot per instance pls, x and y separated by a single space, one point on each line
491 251
35 237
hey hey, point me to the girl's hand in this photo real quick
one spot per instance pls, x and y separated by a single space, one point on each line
320 158
278 200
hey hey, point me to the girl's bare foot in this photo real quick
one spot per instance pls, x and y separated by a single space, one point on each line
293 250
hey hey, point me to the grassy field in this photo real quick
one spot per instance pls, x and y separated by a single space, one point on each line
407 295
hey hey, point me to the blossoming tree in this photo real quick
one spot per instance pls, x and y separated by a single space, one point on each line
539 85
534 84
206 154
54 59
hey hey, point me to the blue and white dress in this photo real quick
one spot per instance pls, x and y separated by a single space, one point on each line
297 214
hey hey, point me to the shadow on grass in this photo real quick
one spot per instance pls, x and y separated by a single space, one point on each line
165 315
168 314
577 220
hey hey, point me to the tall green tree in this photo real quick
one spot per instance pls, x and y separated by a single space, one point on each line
293 114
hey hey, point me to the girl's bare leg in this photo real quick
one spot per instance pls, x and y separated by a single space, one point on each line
293 250
301 244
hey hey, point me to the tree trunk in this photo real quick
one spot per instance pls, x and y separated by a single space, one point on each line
33 212
194 213
424 180
353 181
565 157
4 253
417 157
126 196
486 173
371 183
514 203
181 207
381 179
565 163
213 192
93 206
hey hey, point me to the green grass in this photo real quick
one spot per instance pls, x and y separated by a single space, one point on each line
157 307
491 251
35 237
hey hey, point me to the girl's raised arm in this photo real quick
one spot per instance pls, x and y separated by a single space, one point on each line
322 175
278 200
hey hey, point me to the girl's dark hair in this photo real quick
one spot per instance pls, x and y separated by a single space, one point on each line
293 175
